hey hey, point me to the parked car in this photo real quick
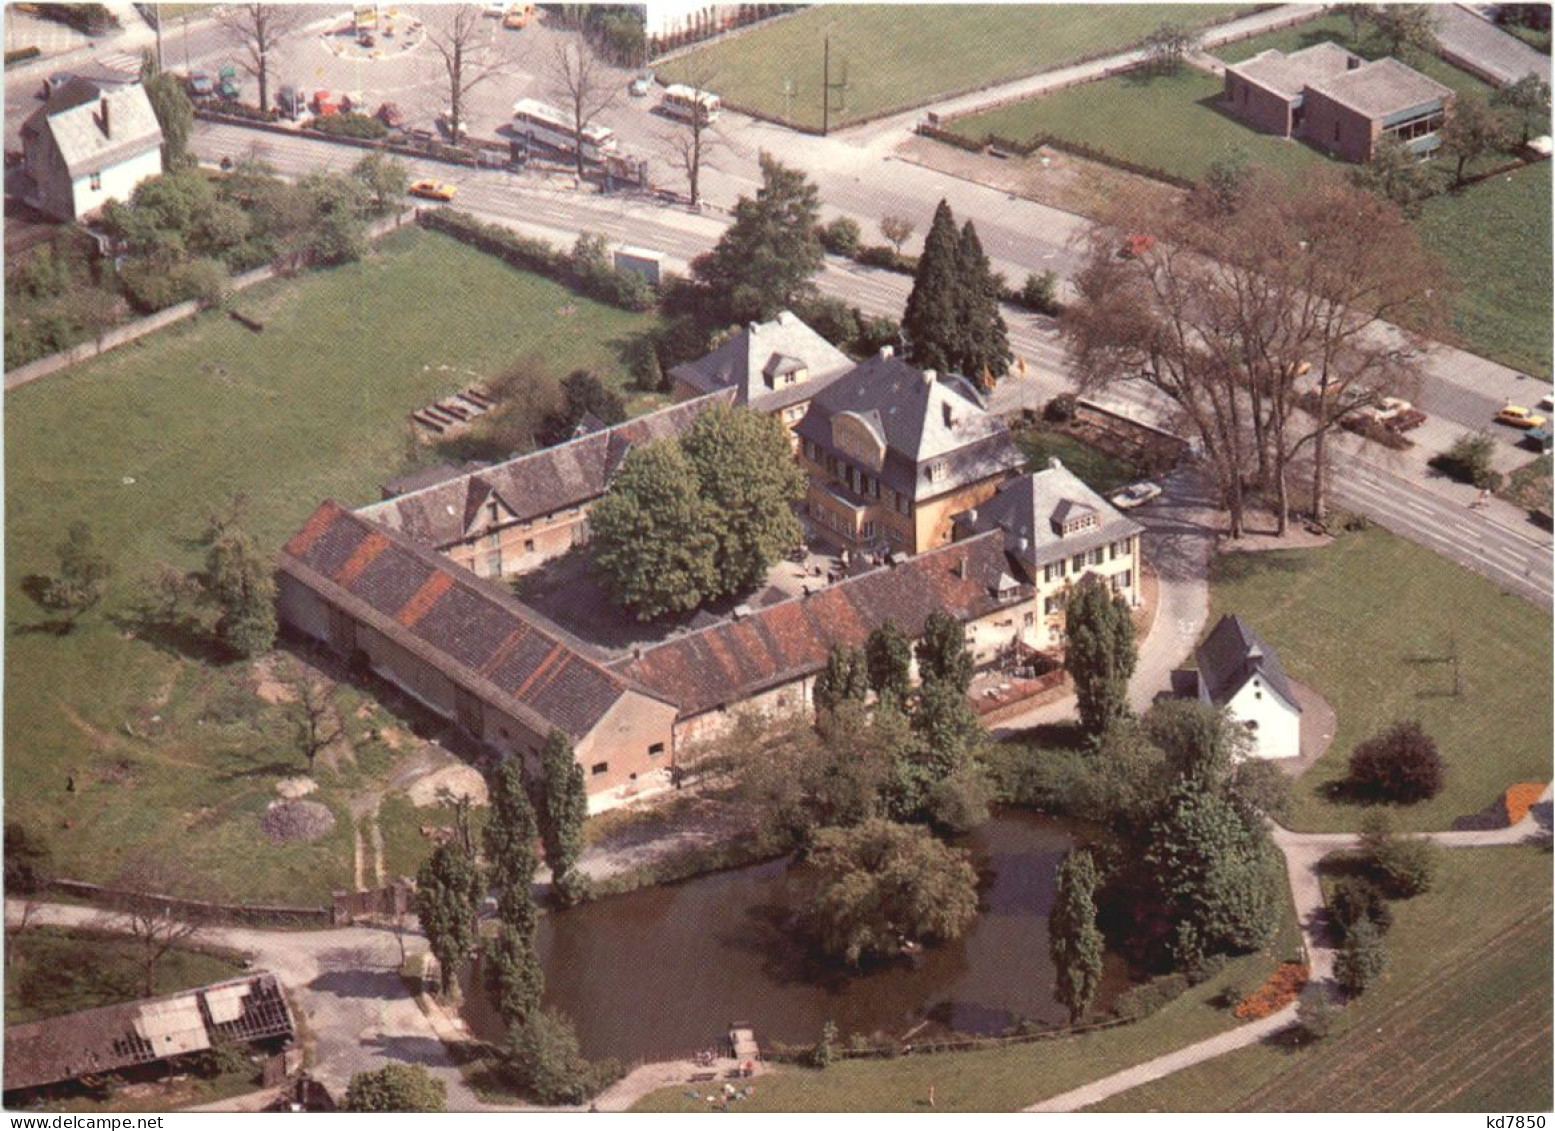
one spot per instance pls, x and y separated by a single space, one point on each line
391 115
641 85
1546 404
227 84
291 102
1135 495
201 85
1519 417
445 122
495 11
1539 439
518 16
1137 244
433 190
325 103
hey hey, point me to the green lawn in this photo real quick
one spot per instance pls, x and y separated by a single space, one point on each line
1168 122
1099 471
55 970
143 443
1494 238
1367 621
934 50
1459 1022
1008 1078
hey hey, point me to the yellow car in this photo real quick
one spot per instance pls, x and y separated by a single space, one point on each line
433 190
1519 417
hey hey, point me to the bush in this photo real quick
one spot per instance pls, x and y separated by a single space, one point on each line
396 1087
1040 293
21 55
542 1059
1141 1001
840 237
233 109
1315 1015
154 285
1400 765
1362 960
878 255
350 125
1468 461
1205 968
1354 899
824 1052
1404 867
1061 409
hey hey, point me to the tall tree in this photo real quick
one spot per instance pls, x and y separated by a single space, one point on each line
257 30
931 322
844 679
947 729
82 580
1362 959
1074 941
984 354
566 808
764 261
750 484
651 534
469 53
1168 45
1099 652
175 116
693 141
942 653
896 230
583 83
888 656
1405 30
1474 129
448 898
509 842
141 888
241 584
1527 103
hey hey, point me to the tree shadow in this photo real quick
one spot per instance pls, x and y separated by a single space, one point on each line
182 636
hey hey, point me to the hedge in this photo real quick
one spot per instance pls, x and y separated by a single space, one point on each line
21 55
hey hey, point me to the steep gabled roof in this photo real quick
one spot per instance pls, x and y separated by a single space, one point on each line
763 349
476 633
1231 655
1031 509
540 483
731 661
87 141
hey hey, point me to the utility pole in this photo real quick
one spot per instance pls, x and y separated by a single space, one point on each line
157 19
826 88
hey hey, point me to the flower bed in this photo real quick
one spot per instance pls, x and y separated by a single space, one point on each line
1280 990
1520 798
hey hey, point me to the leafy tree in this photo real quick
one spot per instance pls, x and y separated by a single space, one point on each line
947 728
514 976
1099 653
1362 959
1259 788
1405 30
984 354
1315 1013
240 583
82 580
1395 172
1473 130
843 679
1213 871
396 1087
509 842
931 322
749 484
896 230
1074 942
28 861
1225 184
958 802
1125 782
879 885
583 393
1355 898
1168 45
1201 743
384 178
448 896
566 808
764 261
1404 866
542 1057
1527 102
841 236
888 656
942 653
1400 765
652 534
175 114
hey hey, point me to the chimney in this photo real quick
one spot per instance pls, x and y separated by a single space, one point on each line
1023 544
804 591
1353 63
971 516
950 417
959 569
1055 464
754 327
786 318
929 377
886 351
106 131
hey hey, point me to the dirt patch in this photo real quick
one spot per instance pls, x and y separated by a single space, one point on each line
303 821
293 788
1258 528
392 737
459 779
1319 721
268 684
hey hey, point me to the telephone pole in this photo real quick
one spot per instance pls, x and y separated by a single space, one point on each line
826 88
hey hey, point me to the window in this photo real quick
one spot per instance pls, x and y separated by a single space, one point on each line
1079 562
1120 581
936 471
529 545
1112 552
656 749
869 530
809 450
1051 570
599 768
1053 605
1336 131
1031 619
902 506
97 182
1096 556
1426 124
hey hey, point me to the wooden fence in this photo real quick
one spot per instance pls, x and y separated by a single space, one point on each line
196 910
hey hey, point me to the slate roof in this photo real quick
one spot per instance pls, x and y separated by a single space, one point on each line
73 116
1291 74
920 421
1381 88
540 483
1031 509
744 362
736 659
1231 655
475 632
97 1041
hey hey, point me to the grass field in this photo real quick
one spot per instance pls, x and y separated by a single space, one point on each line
1460 1021
1008 1078
1367 622
169 750
54 970
936 50
1494 238
1095 468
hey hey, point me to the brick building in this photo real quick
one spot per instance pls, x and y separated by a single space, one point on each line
1336 100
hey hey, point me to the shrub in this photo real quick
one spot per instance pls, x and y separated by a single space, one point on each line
1040 293
1362 960
1141 1001
350 125
1355 898
153 285
878 255
542 1058
1315 1015
396 1087
1468 461
1400 765
840 237
234 109
824 1052
1205 968
1403 866
1061 409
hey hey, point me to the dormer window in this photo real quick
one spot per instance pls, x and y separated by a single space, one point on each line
936 471
1070 517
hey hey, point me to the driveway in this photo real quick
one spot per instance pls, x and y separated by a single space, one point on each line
1472 40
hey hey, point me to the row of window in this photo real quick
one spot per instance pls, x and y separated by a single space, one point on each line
599 768
1417 127
862 483
1053 604
1054 571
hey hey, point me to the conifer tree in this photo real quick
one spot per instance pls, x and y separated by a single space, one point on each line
888 656
1074 942
512 964
1099 653
845 677
566 808
984 353
931 323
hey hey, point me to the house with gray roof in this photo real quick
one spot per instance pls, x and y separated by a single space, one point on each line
1057 530
893 452
89 143
775 367
1338 101
1240 672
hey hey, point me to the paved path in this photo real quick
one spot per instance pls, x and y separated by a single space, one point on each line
1497 55
1303 853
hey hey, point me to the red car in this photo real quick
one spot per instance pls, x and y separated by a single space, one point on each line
325 103
391 115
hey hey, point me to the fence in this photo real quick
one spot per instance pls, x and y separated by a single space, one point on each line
390 902
197 910
122 335
957 1043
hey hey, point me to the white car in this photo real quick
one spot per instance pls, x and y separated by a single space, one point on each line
1136 495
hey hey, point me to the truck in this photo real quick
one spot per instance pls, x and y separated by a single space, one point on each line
640 261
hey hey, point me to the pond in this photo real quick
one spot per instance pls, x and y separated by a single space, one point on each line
660 972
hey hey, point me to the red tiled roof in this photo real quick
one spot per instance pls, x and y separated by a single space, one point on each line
730 662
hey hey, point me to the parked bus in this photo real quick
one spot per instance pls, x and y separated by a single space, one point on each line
546 125
681 101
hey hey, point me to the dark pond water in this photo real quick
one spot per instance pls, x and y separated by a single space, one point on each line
662 971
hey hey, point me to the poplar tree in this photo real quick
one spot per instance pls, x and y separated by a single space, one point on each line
984 350
1074 941
931 323
844 678
942 653
448 896
566 808
1099 653
888 656
512 963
